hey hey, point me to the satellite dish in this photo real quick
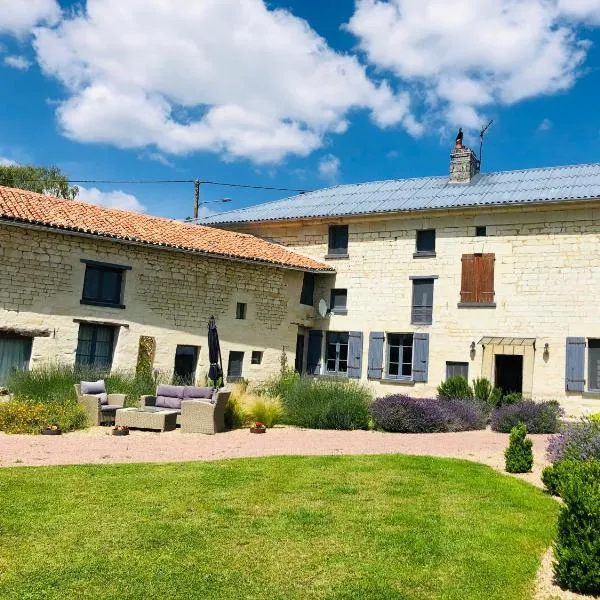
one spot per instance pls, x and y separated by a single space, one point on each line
323 308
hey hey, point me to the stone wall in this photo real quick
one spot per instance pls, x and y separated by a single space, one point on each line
167 295
547 274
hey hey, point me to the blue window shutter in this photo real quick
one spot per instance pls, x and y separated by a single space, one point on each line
575 369
375 368
421 357
313 358
355 342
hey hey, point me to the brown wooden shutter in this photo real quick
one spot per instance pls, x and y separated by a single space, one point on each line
485 278
467 286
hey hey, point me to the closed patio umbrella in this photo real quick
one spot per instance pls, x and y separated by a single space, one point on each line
215 371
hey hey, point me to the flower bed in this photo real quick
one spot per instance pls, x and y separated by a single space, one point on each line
538 417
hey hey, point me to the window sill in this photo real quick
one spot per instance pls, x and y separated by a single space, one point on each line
476 305
591 394
425 254
99 303
336 256
398 380
416 323
339 311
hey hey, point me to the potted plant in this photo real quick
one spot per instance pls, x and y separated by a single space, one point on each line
120 430
258 427
52 430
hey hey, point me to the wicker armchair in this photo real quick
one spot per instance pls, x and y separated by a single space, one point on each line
199 416
98 413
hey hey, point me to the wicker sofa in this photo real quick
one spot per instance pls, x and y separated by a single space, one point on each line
201 409
100 407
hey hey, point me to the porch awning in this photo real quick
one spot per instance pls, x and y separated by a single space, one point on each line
507 341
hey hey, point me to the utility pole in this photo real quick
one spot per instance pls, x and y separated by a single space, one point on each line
196 199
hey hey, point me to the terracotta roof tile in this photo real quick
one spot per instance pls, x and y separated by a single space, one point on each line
28 207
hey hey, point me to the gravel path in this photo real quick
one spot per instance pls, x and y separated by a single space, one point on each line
97 446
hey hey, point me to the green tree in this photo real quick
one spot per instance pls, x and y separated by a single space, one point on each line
43 180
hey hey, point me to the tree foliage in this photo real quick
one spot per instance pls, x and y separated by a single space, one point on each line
43 180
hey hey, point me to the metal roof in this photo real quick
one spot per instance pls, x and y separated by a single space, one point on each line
547 185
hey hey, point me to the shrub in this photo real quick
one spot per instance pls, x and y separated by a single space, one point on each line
53 382
485 393
280 385
236 415
595 418
579 441
512 398
553 476
455 388
327 404
519 455
538 417
577 546
426 415
26 416
267 410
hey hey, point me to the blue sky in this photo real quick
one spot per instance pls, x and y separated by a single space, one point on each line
291 93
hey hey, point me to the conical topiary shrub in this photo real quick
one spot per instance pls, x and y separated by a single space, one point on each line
518 455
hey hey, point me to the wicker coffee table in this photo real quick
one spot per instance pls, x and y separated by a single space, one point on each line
147 418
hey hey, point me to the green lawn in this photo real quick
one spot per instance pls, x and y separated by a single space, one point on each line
359 528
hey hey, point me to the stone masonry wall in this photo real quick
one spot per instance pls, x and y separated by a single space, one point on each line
547 274
168 295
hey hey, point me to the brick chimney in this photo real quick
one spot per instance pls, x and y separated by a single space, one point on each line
464 165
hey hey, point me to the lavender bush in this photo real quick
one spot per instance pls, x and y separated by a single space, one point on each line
538 417
405 414
579 441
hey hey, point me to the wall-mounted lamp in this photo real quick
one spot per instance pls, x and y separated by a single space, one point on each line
472 350
546 350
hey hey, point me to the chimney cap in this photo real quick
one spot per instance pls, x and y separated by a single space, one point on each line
459 139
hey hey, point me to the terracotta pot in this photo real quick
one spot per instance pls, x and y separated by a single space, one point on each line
258 430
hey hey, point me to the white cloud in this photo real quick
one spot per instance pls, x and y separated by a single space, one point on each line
466 56
329 167
17 62
545 125
114 199
159 158
18 17
227 76
7 162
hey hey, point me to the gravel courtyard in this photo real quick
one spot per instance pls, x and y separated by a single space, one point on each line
96 445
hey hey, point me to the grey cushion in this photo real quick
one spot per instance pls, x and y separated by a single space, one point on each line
106 408
204 393
173 391
103 398
168 402
93 388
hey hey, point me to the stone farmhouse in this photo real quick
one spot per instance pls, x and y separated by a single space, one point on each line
477 274
87 285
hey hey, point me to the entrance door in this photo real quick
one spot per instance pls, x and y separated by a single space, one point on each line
299 363
509 373
15 352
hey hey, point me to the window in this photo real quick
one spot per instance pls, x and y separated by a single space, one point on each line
457 368
336 352
95 345
338 240
308 289
256 357
235 365
186 359
103 284
422 301
338 300
425 242
15 353
594 364
240 310
477 282
399 355
481 231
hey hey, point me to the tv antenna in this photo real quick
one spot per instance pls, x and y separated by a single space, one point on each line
481 135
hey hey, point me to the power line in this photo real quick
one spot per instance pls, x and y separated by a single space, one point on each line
166 181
